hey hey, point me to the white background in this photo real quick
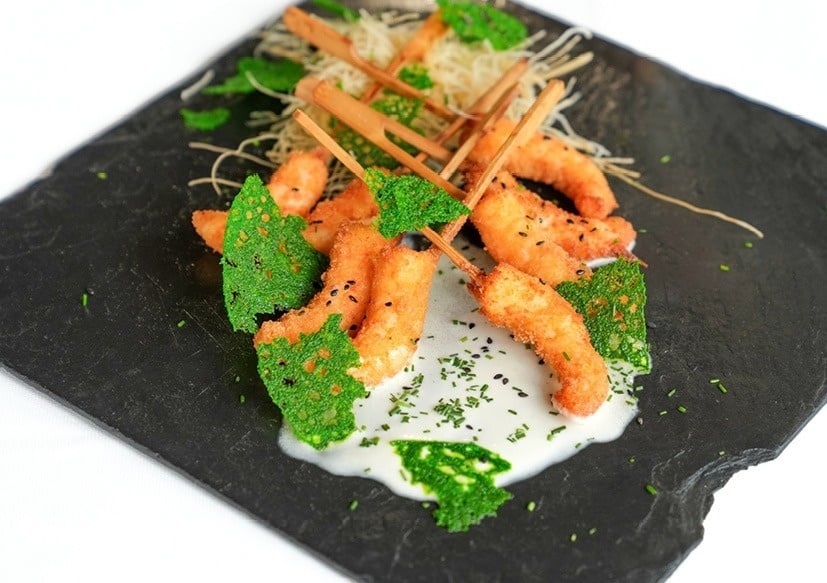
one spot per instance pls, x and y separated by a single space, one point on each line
76 504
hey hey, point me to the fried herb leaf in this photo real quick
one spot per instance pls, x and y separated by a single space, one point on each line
267 263
474 22
273 75
460 475
308 380
409 203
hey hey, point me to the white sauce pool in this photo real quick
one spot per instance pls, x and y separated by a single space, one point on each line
468 381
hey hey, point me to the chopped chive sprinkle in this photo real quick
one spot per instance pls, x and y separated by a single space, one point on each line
665 159
573 537
722 388
662 412
426 504
84 300
651 489
724 267
748 244
632 460
241 399
102 175
722 452
531 506
181 323
353 504
681 409
671 393
592 530
714 381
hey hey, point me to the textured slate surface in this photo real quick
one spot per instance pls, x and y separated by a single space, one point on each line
171 391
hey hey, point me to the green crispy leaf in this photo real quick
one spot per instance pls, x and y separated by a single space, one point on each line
273 75
334 7
308 381
474 22
612 304
267 263
409 203
205 120
460 475
403 109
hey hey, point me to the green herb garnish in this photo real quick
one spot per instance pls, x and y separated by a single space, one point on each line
267 263
272 75
404 110
409 203
335 8
205 120
478 22
461 477
416 75
612 304
308 381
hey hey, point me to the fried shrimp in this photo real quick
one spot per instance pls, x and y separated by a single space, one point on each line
354 203
395 316
347 287
527 215
296 186
538 315
549 160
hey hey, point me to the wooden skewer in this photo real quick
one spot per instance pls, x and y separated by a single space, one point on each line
353 165
373 126
527 126
414 50
329 40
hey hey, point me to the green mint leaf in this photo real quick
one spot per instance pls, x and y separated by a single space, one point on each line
308 381
460 475
267 263
477 22
205 120
409 203
335 8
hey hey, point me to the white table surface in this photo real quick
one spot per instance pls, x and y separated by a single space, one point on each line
77 504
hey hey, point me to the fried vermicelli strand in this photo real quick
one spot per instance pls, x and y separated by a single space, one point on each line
538 315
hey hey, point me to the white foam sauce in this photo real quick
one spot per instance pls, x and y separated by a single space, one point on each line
468 381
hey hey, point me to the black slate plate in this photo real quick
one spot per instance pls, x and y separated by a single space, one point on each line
172 391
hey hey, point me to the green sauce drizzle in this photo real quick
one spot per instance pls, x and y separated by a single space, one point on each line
461 477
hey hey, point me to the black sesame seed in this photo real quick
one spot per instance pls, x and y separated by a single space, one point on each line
353 299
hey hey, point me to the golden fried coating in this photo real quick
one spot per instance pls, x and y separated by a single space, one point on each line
295 186
354 203
347 287
538 315
549 160
528 216
396 315
299 183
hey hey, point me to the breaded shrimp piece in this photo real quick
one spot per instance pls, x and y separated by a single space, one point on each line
299 183
395 317
295 186
354 203
528 215
346 291
549 160
210 226
538 315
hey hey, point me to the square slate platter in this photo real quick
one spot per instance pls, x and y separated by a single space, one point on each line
172 391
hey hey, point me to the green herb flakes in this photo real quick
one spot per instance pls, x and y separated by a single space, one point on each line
267 263
273 75
354 504
205 120
409 203
531 506
651 489
181 323
665 159
474 22
460 475
416 75
724 267
102 175
84 300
